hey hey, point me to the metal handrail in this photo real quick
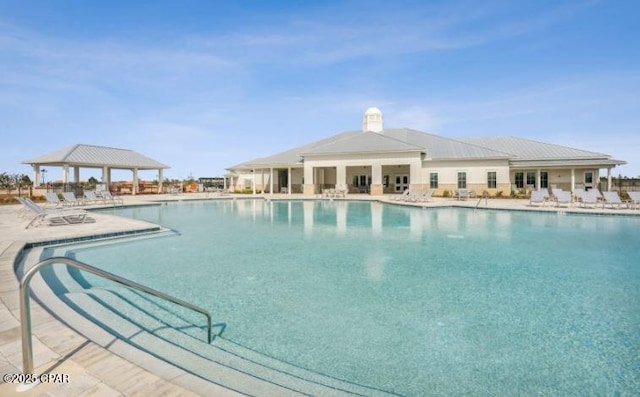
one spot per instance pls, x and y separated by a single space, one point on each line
25 312
484 196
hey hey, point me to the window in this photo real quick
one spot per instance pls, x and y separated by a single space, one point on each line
462 180
531 178
355 181
520 180
433 180
492 180
544 180
385 181
363 180
588 177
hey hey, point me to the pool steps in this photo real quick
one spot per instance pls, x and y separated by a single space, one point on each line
166 334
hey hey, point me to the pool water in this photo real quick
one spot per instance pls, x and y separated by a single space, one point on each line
413 301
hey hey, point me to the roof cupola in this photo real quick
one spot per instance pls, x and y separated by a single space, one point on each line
372 120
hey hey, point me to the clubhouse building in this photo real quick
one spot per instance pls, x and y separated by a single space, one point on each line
380 161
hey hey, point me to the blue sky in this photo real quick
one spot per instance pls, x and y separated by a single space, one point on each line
203 85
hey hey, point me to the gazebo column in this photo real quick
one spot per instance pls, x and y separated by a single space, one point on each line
376 180
538 179
36 175
271 180
134 188
573 180
65 173
224 183
608 179
160 179
76 174
106 176
289 181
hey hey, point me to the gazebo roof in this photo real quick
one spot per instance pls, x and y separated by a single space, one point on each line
97 156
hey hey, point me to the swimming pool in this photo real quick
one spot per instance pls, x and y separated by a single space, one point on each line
415 302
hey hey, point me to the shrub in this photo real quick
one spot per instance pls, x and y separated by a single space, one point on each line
445 194
499 193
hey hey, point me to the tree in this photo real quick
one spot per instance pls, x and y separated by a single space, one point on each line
20 181
92 182
5 182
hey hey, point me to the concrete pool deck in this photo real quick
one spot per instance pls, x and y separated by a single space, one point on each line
97 369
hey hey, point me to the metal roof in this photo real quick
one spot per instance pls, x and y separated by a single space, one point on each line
97 156
566 163
364 142
441 148
527 149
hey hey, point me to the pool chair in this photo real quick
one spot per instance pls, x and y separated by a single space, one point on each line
588 200
401 197
563 198
538 197
53 200
635 200
70 199
427 195
612 198
463 194
54 216
92 197
110 198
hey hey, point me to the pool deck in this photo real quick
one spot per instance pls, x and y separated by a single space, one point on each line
95 369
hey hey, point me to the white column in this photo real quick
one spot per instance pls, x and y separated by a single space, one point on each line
262 181
271 180
376 174
608 179
289 181
341 176
224 183
134 188
65 173
538 178
573 180
36 175
76 174
160 180
254 181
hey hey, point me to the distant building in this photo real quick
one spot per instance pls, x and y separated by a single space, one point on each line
377 161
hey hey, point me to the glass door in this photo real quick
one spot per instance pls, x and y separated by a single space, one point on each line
402 183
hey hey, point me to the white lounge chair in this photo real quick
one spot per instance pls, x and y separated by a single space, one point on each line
401 197
538 197
463 194
563 198
635 200
109 198
70 199
91 197
612 198
56 217
53 200
588 199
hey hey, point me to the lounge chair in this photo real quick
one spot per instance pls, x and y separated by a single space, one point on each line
91 197
401 197
538 197
56 217
563 198
588 199
463 194
71 200
427 195
53 200
612 199
635 200
109 198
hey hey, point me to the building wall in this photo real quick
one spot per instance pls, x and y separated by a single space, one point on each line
476 171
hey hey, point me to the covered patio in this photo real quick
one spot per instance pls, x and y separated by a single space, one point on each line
96 157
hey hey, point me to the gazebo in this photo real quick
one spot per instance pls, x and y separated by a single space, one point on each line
101 157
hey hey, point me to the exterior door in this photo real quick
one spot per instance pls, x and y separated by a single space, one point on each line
402 183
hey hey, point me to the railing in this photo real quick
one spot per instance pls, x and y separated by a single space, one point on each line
25 312
484 196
